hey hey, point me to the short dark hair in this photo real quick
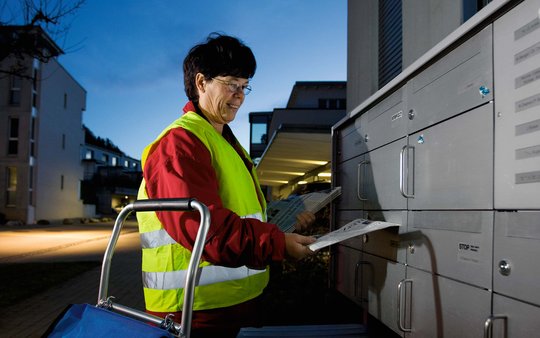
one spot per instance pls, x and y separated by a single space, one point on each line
220 55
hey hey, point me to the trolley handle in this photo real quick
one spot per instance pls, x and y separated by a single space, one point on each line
186 204
164 204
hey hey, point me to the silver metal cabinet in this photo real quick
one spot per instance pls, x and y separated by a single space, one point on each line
516 261
455 244
460 81
442 307
453 163
517 104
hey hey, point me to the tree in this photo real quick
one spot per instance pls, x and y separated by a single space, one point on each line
28 30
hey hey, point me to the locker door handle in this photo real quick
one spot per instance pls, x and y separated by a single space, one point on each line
359 180
488 325
399 297
404 172
356 269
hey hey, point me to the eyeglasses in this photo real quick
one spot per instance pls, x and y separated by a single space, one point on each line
234 87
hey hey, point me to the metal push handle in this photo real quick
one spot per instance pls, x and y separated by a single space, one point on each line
358 180
403 174
182 204
399 296
488 325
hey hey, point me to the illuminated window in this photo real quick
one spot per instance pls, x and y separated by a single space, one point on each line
11 184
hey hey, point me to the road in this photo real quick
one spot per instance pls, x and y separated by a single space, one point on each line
61 243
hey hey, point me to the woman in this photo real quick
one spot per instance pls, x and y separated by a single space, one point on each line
198 156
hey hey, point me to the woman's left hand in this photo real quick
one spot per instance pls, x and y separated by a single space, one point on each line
303 220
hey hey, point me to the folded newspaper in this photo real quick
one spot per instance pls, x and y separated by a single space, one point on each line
283 212
355 228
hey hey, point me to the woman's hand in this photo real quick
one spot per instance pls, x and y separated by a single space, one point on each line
303 220
296 246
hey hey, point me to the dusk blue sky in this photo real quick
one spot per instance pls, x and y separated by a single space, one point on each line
128 54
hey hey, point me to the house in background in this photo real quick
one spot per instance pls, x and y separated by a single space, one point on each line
41 118
111 178
291 146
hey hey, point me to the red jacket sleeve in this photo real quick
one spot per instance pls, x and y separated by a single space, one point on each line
180 166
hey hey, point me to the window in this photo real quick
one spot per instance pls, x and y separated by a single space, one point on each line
89 155
31 186
61 182
63 141
105 158
11 184
15 90
65 100
258 133
114 161
32 136
126 163
390 40
13 136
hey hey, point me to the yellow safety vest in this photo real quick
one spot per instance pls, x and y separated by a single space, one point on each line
165 262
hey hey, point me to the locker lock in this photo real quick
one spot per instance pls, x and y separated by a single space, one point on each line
411 248
504 267
411 114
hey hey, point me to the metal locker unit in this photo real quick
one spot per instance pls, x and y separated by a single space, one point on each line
441 307
517 104
463 135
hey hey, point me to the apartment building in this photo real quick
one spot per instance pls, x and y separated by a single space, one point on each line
41 117
291 145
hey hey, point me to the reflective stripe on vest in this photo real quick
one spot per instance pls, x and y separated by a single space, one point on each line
209 275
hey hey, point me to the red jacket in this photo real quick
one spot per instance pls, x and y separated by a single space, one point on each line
180 166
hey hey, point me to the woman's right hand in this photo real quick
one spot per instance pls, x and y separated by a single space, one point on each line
296 246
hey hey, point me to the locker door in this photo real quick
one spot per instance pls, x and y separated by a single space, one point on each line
453 163
350 176
516 260
458 82
379 279
347 263
441 307
381 180
521 319
455 244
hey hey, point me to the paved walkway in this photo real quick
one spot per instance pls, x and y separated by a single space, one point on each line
31 317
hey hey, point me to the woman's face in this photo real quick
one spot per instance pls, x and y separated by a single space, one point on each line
217 100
